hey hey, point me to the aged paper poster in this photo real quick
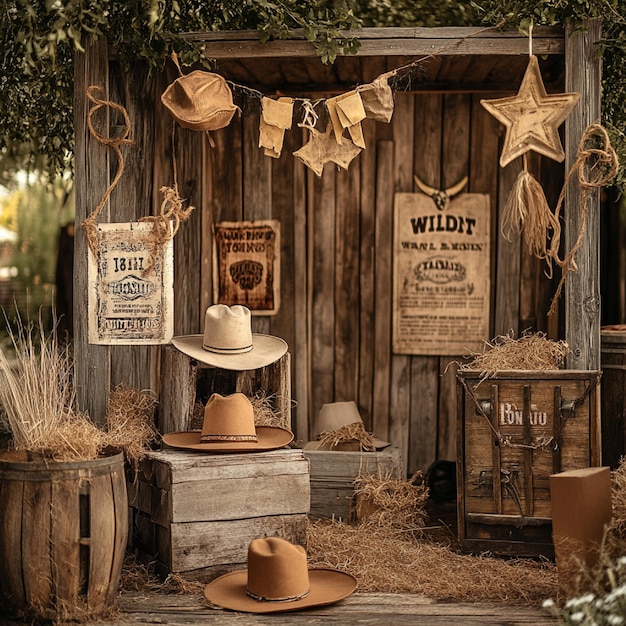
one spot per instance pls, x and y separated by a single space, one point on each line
441 273
127 303
246 265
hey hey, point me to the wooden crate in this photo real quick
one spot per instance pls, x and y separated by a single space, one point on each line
195 514
514 431
333 474
185 382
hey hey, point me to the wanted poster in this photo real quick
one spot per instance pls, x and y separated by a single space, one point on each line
441 272
131 290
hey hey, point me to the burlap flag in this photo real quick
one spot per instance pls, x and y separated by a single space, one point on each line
377 99
346 112
276 117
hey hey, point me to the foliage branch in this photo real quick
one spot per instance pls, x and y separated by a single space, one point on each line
40 37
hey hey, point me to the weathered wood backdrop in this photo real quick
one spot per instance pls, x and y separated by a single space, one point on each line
336 230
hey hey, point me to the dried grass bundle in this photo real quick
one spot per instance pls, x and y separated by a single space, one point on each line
130 422
38 395
350 433
527 210
384 561
394 504
531 351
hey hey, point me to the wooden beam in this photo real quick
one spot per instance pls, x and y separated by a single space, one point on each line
386 42
582 289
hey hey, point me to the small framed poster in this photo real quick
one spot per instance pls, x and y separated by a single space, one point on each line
130 302
441 274
246 265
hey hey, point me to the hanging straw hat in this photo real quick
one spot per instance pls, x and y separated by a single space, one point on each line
228 341
278 580
336 416
200 101
228 426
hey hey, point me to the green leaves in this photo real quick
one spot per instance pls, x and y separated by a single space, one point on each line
38 39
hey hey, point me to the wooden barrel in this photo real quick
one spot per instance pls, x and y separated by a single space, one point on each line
63 533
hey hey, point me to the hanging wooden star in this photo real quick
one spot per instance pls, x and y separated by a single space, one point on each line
322 148
532 117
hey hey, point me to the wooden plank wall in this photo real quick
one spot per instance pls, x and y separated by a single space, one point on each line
336 248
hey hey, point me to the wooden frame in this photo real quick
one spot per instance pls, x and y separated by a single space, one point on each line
410 401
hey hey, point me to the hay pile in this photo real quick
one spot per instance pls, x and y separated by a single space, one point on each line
385 561
130 422
391 503
388 550
531 351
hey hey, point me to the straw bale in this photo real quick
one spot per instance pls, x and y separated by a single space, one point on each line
530 351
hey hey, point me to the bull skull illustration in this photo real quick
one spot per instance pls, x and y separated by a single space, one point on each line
441 197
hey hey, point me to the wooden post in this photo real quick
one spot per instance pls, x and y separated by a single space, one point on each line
92 366
582 290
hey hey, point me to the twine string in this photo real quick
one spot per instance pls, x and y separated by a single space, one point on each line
166 224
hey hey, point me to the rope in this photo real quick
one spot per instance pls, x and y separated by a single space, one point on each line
90 223
166 224
601 165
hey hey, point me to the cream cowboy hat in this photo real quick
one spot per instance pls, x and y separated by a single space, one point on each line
278 580
333 416
228 426
228 341
200 101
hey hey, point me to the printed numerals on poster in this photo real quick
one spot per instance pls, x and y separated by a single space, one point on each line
441 274
129 301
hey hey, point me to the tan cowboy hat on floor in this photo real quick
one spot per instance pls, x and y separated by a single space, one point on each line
228 426
278 580
228 341
334 416
200 101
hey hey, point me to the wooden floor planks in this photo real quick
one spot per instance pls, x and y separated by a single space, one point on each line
380 609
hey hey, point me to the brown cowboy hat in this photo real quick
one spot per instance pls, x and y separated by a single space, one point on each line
278 580
228 426
200 101
228 341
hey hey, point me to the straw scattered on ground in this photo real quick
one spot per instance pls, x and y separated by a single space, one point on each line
531 351
383 561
